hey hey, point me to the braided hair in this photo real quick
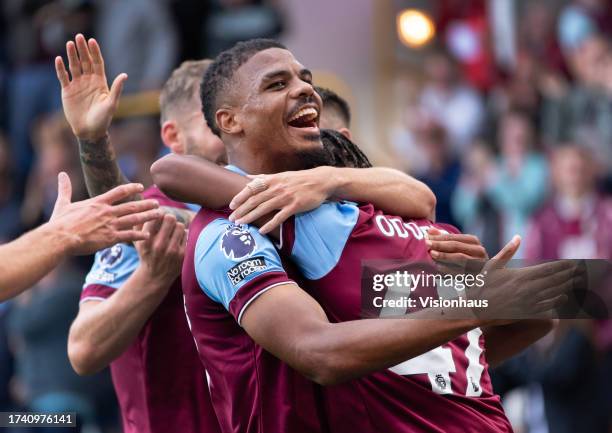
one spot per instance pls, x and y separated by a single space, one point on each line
342 151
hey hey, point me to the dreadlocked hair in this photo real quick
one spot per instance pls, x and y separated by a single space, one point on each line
342 151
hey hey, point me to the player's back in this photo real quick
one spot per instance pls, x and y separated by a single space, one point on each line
252 391
445 390
160 383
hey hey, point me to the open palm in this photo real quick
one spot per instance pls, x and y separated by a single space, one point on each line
88 102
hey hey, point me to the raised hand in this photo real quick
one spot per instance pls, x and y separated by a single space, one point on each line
89 104
97 223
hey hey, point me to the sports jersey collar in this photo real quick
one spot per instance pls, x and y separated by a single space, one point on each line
235 169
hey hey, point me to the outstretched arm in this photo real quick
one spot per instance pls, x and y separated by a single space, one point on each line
192 179
89 106
104 329
288 193
75 228
291 325
293 192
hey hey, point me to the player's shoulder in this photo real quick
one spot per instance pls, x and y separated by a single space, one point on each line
230 241
333 212
228 257
112 266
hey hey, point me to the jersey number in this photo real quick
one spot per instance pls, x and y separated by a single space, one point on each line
438 363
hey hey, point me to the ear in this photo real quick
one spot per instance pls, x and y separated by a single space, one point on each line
171 136
227 121
346 132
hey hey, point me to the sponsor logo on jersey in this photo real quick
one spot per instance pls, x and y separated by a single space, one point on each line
441 381
110 256
245 268
101 276
237 243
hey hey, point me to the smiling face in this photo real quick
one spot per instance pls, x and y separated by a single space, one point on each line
273 109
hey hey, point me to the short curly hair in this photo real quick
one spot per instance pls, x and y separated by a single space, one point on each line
220 74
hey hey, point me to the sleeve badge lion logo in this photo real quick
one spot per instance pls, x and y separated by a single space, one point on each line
237 243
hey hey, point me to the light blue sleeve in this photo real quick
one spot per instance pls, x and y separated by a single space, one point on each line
113 266
320 237
229 256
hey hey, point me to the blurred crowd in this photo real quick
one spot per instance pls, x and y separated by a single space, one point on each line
522 144
516 143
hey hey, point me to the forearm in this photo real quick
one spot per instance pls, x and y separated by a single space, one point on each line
349 350
192 179
390 190
100 167
503 342
103 332
292 326
22 265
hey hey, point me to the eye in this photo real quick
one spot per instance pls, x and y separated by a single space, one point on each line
276 85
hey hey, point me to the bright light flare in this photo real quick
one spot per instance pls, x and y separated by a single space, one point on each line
415 28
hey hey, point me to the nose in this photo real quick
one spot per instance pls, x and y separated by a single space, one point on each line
302 89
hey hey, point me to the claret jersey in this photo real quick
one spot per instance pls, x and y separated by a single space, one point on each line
160 383
228 266
445 390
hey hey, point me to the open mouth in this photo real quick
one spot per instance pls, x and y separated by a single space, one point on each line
305 118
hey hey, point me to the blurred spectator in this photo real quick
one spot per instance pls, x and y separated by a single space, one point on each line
232 21
581 19
451 102
38 326
465 29
55 147
470 203
515 186
36 33
519 182
9 207
563 373
582 113
139 38
442 170
519 91
569 367
576 222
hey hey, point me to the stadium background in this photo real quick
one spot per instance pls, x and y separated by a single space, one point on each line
504 108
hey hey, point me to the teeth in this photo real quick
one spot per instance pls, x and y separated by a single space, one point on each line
304 112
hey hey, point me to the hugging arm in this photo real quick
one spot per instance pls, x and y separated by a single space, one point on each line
192 179
291 325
